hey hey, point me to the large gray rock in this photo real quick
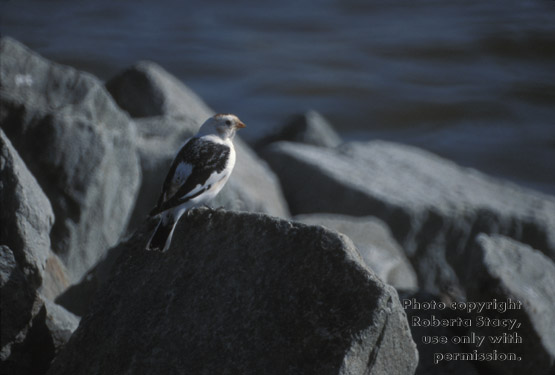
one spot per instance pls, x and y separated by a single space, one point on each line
375 244
78 145
47 333
499 268
26 214
19 303
78 297
311 128
60 324
242 293
167 112
33 328
433 207
146 90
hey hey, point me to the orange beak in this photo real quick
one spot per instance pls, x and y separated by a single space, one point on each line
240 125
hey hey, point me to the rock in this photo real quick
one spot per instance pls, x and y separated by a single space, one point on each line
311 128
433 206
60 324
499 268
146 90
426 350
26 214
78 145
175 113
242 293
375 244
78 297
27 265
50 329
19 303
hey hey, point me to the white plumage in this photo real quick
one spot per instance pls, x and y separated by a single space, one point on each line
197 174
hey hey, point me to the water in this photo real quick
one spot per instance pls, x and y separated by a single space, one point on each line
473 81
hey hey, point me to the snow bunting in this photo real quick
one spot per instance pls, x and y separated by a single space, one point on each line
197 174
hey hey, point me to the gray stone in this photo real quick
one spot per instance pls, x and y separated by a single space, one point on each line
26 214
242 293
499 268
146 90
78 145
19 303
27 266
78 297
48 332
167 112
433 206
60 324
375 244
311 128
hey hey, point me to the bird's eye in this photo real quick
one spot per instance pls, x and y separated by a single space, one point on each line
227 122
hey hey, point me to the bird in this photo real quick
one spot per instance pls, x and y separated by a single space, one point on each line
197 174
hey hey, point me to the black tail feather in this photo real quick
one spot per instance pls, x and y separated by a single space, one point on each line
160 240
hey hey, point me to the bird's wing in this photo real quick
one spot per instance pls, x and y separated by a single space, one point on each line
199 164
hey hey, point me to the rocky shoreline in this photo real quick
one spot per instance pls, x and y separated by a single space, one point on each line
300 272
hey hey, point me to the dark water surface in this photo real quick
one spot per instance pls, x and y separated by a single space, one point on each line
470 80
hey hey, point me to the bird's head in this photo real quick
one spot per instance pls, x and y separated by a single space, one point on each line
223 125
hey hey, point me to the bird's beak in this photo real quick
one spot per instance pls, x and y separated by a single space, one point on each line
240 125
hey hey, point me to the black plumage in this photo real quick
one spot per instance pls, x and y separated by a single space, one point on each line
205 158
199 171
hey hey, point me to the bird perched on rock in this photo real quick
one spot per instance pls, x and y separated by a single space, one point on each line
197 174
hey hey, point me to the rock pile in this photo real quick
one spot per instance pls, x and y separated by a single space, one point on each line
249 288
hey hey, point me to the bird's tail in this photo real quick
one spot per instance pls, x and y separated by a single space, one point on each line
162 236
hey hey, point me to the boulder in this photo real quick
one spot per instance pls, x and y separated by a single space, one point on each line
33 328
19 303
433 206
242 293
146 90
78 297
375 244
79 146
498 268
310 128
26 214
166 114
47 333
59 323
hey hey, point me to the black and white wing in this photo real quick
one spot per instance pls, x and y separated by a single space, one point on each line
199 164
